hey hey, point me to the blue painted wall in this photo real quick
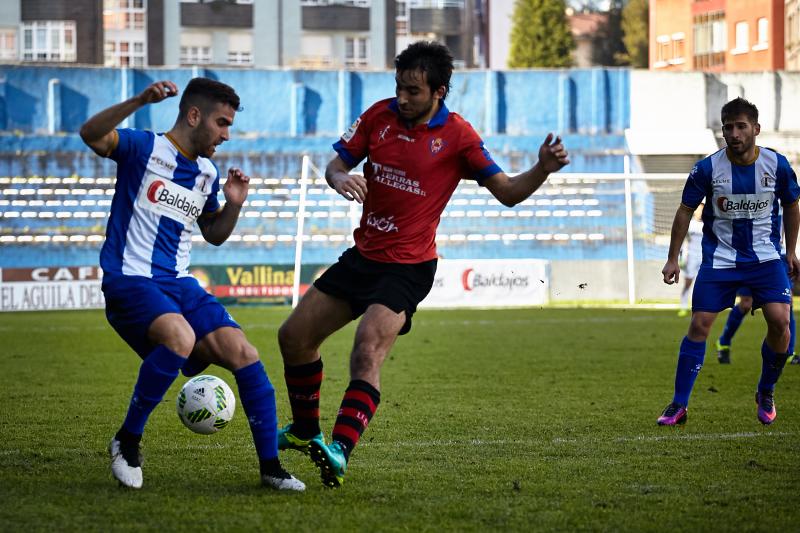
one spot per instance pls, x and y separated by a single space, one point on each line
304 102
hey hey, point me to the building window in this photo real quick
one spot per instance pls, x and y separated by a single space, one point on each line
710 40
240 48
8 44
48 40
124 14
762 39
663 51
401 22
122 53
356 52
742 38
195 48
195 55
125 28
678 49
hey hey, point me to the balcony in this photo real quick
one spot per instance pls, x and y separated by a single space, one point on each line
216 14
442 17
335 17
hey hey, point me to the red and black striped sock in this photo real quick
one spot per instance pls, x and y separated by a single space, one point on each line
303 383
358 405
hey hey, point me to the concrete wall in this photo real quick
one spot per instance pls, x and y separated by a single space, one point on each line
603 281
307 102
692 100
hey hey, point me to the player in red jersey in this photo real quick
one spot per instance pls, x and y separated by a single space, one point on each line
416 153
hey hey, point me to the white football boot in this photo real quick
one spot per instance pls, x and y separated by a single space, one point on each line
127 471
283 483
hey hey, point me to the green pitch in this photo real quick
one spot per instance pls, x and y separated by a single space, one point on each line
512 420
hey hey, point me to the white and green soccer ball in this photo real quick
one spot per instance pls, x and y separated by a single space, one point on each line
206 404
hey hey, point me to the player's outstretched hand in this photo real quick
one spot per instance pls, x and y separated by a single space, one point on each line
158 91
553 156
351 186
236 186
671 272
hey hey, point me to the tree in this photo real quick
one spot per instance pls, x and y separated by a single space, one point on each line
540 36
635 29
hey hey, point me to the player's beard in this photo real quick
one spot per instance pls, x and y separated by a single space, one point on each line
416 118
740 148
202 141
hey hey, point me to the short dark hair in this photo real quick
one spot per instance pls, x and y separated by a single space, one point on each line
204 92
739 106
432 58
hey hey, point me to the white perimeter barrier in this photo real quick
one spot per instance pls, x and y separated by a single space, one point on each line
43 289
489 283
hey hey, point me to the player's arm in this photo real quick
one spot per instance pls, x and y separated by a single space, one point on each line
99 132
351 186
216 227
510 191
680 226
791 224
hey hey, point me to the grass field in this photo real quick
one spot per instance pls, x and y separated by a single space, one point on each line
512 420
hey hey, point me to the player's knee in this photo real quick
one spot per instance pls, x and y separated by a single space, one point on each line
779 325
181 341
366 358
699 329
245 354
289 341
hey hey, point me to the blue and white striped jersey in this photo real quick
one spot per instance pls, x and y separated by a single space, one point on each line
742 213
158 197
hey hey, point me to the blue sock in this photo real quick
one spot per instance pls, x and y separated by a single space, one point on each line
734 321
258 400
159 369
771 367
790 349
690 361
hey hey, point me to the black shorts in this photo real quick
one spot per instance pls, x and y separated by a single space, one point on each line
363 282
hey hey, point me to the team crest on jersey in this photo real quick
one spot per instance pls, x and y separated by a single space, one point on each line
437 145
384 131
767 180
351 130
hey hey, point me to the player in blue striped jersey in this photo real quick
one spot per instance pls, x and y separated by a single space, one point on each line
747 189
165 184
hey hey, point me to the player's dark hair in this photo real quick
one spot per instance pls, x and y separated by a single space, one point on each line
739 106
203 93
432 58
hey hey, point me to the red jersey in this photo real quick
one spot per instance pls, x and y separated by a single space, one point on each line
411 175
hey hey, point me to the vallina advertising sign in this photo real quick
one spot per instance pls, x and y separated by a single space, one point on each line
53 288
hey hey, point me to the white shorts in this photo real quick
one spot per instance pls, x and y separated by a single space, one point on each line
692 266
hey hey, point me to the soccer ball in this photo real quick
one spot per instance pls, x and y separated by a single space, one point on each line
206 404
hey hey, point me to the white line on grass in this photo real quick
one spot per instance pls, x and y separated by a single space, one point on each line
560 440
706 436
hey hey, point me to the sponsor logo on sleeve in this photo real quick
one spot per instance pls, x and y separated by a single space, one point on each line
165 198
346 136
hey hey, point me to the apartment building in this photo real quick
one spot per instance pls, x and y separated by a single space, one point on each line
262 33
717 35
792 34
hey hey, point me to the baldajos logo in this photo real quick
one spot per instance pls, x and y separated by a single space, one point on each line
725 205
158 193
472 280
